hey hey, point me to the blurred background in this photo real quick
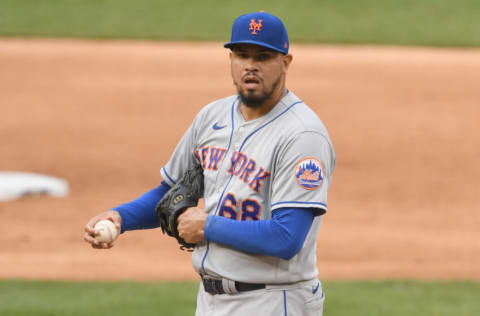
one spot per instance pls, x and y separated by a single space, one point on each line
98 93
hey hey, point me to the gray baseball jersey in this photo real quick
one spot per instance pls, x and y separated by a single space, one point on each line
282 159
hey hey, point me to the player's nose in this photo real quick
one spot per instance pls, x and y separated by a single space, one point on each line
250 65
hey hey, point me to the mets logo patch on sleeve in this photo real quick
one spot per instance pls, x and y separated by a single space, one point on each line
309 173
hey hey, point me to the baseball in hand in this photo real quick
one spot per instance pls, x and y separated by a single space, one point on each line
105 231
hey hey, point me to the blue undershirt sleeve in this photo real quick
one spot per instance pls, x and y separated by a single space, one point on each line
140 213
282 236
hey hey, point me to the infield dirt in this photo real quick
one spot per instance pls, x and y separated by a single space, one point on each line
105 116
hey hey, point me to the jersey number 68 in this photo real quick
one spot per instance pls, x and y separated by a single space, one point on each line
250 209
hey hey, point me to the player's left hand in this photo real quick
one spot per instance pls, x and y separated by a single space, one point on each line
191 225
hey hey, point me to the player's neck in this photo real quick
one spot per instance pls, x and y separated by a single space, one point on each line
250 113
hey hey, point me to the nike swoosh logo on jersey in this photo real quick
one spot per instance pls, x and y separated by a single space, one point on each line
215 126
315 289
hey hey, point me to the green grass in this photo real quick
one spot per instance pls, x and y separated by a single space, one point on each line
402 22
358 298
38 298
400 298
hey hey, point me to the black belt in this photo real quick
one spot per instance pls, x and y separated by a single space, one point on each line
219 286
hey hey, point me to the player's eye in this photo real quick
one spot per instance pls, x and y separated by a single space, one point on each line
242 55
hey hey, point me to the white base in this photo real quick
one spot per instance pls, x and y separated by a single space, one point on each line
14 185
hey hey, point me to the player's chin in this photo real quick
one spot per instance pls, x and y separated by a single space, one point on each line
253 92
252 100
253 95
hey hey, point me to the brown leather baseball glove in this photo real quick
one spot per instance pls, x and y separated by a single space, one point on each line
181 196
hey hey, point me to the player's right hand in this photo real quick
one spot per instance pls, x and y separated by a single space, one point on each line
89 235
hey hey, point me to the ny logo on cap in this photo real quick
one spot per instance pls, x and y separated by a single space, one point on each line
255 26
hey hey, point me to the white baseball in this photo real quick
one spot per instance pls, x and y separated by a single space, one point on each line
105 231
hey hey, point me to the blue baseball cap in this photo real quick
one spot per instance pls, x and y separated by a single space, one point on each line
260 28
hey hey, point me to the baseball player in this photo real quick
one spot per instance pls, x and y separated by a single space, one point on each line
267 163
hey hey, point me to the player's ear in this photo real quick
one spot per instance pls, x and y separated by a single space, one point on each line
287 59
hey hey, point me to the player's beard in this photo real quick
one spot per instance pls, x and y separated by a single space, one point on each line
256 101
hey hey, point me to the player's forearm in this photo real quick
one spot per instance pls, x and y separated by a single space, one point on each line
140 213
282 236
